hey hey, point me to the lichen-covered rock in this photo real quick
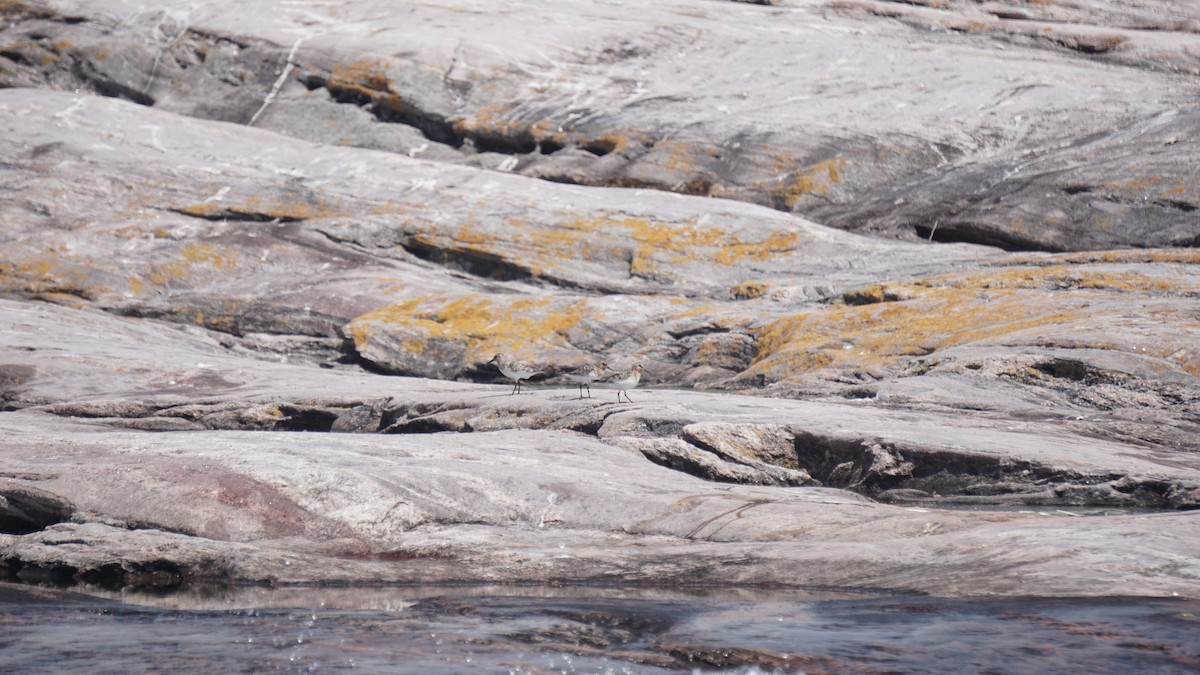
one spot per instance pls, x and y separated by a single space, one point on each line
210 270
1036 153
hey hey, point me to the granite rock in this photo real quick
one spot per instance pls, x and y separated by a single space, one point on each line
255 263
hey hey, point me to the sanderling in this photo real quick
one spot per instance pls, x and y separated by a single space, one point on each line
622 381
515 371
584 376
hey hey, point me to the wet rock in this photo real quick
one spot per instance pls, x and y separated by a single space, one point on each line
97 554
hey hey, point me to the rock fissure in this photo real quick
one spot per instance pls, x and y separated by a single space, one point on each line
746 453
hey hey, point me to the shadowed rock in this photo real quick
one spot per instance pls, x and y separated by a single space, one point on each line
25 509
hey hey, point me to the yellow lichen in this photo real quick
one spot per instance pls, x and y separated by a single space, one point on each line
492 118
188 262
612 142
1182 256
366 76
883 324
518 327
816 180
681 156
1063 277
1158 188
653 242
698 310
882 334
52 273
748 290
259 208
774 244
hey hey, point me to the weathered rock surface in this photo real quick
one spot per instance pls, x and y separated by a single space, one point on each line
25 509
503 508
1024 126
547 487
206 284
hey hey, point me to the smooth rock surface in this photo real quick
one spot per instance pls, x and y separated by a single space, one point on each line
1028 127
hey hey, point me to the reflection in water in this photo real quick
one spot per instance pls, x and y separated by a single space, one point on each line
585 630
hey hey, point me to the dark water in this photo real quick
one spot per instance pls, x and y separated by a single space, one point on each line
589 630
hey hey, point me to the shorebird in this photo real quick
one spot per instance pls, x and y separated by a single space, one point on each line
515 371
622 381
584 376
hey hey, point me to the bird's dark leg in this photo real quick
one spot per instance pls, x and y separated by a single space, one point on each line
589 388
516 388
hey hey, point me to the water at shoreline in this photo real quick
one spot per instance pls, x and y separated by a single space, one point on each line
586 630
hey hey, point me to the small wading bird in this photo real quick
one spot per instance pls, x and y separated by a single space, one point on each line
622 382
584 376
515 371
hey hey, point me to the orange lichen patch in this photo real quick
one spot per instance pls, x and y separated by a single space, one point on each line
224 321
492 118
190 261
1064 277
1161 188
681 156
884 334
1183 352
8 7
887 291
218 258
653 242
47 274
543 131
816 180
884 323
774 244
699 310
472 237
748 290
714 350
387 209
254 208
33 52
1180 256
62 299
366 76
610 142
29 272
477 320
